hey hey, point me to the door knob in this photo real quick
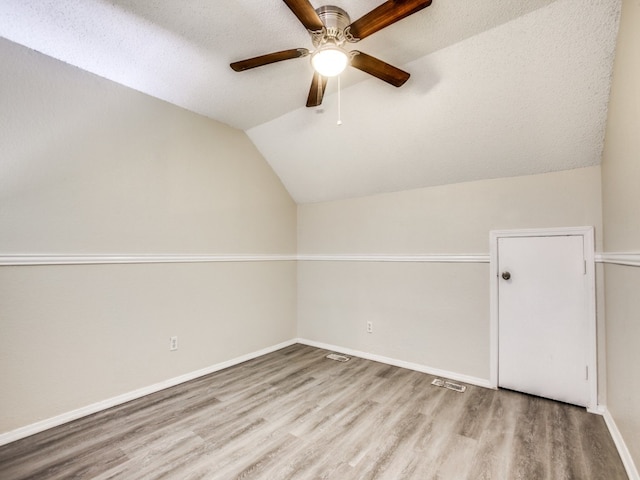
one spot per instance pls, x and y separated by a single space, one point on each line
506 275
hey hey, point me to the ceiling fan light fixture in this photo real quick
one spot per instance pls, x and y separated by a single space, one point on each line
329 60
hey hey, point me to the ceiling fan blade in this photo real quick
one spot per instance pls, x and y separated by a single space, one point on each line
269 58
316 92
379 69
389 12
306 14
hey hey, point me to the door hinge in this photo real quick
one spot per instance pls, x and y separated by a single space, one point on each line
586 372
584 267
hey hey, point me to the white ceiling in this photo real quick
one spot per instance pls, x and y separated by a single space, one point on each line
498 88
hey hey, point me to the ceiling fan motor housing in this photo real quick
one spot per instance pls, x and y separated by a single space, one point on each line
335 20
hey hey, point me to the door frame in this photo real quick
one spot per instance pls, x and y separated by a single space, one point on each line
587 234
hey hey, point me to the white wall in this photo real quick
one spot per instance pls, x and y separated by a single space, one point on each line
432 314
88 166
621 202
91 167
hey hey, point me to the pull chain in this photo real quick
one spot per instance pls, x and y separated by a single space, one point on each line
339 111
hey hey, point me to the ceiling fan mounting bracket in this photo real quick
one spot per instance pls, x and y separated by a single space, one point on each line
348 35
317 36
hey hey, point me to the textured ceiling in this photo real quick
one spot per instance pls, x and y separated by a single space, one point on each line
498 88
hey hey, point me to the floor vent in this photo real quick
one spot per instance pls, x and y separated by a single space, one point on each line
337 357
450 385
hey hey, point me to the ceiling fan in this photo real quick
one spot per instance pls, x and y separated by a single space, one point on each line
330 28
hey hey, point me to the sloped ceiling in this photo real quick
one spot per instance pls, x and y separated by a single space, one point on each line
498 88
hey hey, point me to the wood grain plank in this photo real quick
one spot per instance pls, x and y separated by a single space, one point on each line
293 414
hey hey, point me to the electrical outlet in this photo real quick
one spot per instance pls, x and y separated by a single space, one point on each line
173 343
369 327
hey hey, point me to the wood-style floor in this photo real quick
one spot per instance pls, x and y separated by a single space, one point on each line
294 414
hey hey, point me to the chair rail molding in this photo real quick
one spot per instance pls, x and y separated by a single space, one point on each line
630 259
99 259
418 258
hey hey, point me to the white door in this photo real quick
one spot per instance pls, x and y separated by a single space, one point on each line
543 317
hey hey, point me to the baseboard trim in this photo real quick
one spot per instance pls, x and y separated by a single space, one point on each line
623 451
58 420
480 382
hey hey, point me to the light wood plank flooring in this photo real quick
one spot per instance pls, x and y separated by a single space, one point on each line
294 414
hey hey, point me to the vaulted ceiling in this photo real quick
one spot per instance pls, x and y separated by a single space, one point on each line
497 88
